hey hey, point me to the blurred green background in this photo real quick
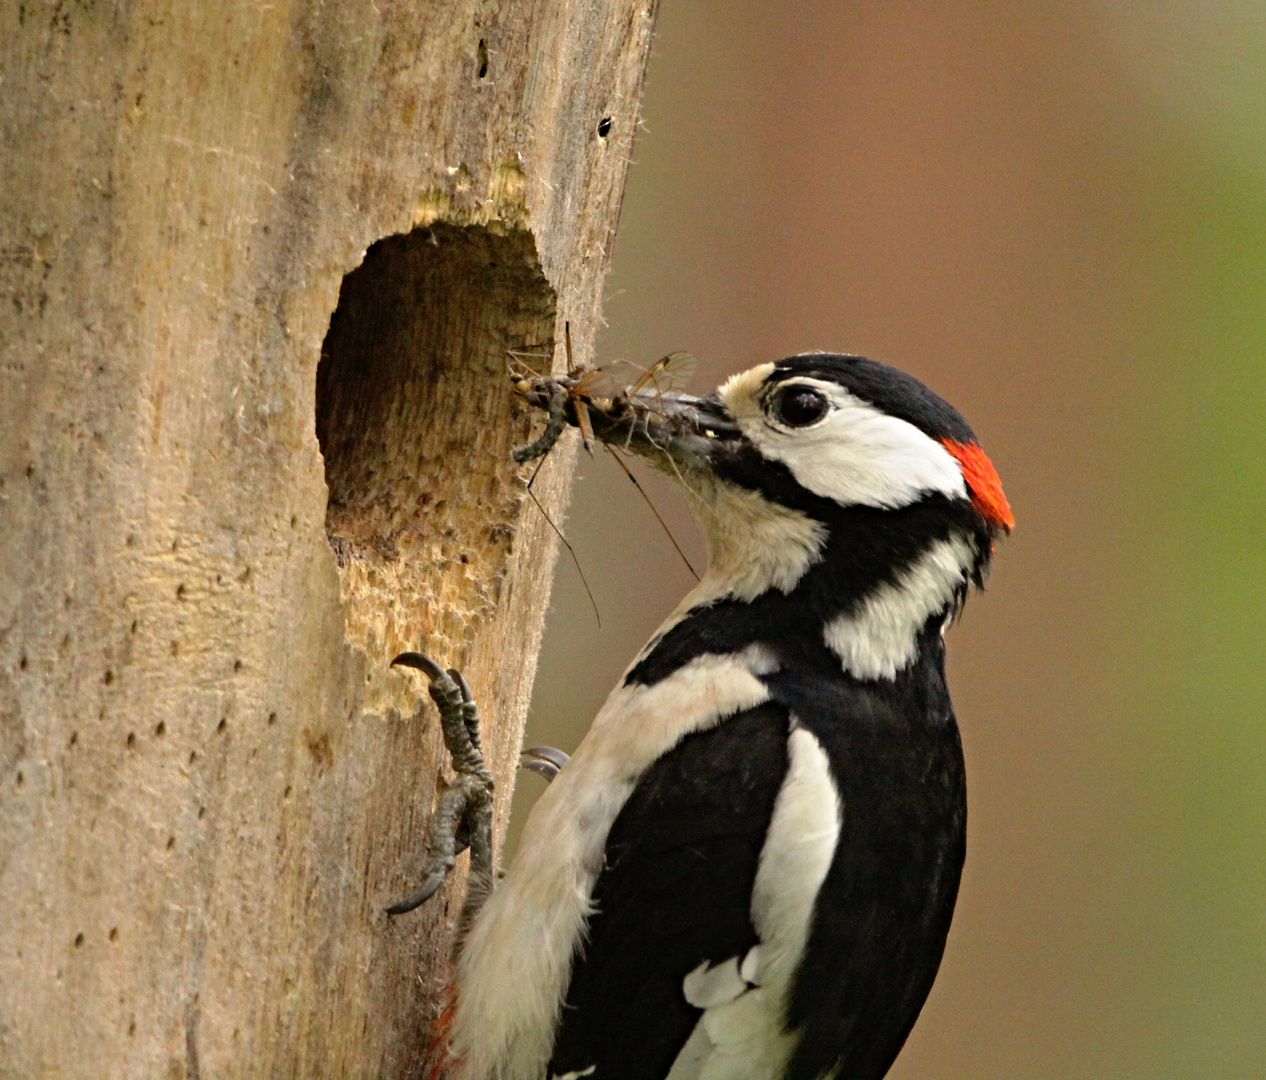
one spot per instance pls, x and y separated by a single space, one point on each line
1055 214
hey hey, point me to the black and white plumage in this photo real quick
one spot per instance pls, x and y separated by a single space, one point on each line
747 870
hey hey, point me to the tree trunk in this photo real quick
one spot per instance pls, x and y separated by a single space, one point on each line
212 782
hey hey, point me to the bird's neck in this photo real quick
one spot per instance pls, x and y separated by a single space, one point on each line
851 590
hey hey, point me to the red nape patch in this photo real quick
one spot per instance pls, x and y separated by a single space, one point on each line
982 482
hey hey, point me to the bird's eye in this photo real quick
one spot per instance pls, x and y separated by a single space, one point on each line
799 406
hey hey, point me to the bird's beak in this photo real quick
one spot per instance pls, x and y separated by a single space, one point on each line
689 430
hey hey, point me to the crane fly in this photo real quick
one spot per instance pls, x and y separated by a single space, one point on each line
622 387
625 382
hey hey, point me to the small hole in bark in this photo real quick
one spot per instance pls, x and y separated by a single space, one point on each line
180 592
171 842
604 127
20 780
113 935
481 56
272 718
131 739
286 794
131 1028
161 728
135 624
202 812
219 728
193 756
74 737
79 939
108 678
414 410
237 665
23 662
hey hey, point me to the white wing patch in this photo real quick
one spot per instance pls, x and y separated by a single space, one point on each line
879 639
741 1034
710 985
515 963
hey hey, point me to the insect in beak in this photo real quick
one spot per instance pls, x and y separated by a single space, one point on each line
648 414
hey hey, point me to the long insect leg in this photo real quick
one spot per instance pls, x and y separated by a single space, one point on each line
572 552
662 524
584 423
571 364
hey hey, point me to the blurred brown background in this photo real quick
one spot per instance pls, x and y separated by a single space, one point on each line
1055 214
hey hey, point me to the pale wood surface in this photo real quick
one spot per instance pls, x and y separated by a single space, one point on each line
210 782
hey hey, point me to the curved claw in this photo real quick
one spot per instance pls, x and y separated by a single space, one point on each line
460 680
550 753
545 761
462 817
415 900
424 664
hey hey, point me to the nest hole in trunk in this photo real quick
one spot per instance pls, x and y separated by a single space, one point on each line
416 421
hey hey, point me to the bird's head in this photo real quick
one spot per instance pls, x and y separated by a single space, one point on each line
848 430
817 441
838 483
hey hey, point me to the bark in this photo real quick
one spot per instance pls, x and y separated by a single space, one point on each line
248 251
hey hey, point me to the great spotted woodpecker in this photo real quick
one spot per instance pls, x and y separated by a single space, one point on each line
748 868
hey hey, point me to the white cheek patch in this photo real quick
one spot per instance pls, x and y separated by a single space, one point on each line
858 455
880 638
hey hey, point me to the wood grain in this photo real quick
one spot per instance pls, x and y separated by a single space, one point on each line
211 783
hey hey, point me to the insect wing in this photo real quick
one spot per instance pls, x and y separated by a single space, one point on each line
673 372
608 382
622 377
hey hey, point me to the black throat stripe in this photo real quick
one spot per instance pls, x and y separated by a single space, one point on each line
865 548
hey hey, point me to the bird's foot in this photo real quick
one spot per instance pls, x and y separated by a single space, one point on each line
463 815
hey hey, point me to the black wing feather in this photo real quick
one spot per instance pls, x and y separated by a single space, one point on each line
676 890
